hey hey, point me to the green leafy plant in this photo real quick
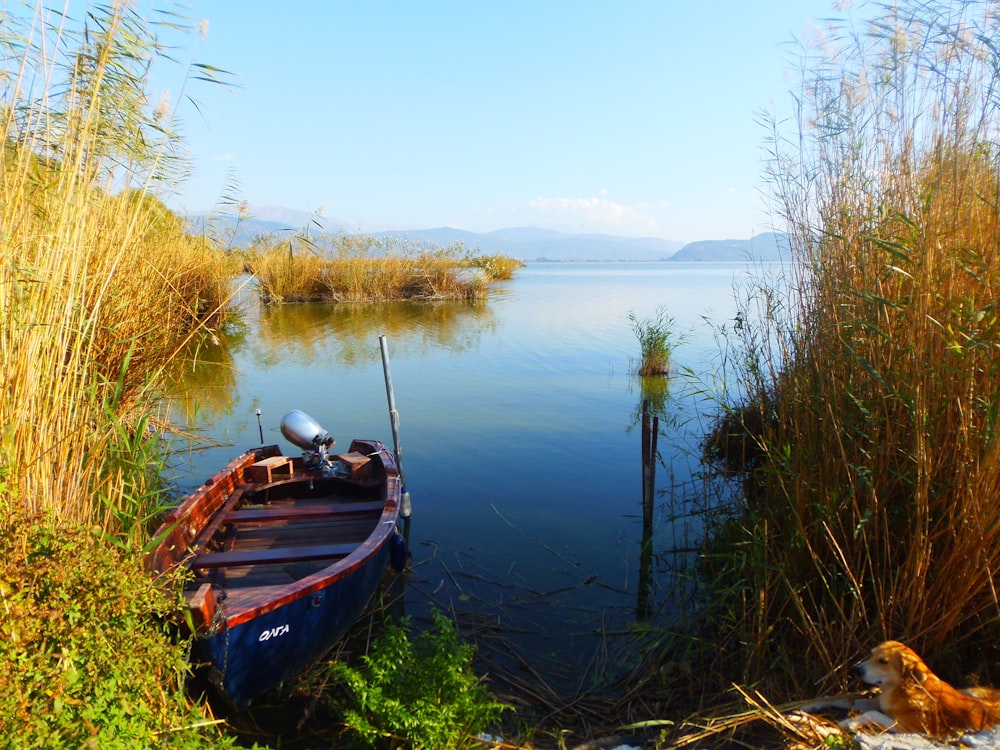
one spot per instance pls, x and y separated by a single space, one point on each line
418 693
87 658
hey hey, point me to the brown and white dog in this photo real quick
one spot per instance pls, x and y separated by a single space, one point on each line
914 699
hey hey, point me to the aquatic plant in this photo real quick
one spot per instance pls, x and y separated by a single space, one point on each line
656 337
867 414
99 286
497 267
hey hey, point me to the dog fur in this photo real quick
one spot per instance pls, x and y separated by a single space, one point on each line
914 699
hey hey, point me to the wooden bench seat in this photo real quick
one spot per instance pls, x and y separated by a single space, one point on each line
266 470
274 556
265 513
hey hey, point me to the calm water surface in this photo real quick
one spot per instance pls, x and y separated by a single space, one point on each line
519 432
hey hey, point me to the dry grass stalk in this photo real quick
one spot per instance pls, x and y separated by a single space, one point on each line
98 283
872 419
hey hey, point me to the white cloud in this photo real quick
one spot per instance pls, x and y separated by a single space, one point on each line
224 157
646 206
600 211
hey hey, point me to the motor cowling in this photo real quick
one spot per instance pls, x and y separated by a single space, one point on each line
304 431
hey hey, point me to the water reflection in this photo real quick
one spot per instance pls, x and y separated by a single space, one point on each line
644 599
312 336
649 418
204 379
342 333
654 395
518 417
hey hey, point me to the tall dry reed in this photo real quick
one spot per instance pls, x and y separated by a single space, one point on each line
868 427
98 283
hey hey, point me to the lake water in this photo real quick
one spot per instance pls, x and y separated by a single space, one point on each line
519 434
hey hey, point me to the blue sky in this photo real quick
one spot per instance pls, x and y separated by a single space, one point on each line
638 117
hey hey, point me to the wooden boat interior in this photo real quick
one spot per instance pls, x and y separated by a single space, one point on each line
285 531
275 533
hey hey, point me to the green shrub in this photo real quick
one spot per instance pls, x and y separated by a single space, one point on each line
85 656
418 693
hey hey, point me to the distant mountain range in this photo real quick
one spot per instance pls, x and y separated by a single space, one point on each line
544 244
238 231
525 243
766 246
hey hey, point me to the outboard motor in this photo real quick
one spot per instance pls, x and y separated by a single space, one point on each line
305 432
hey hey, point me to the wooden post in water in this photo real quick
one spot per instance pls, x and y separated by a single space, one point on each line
404 506
649 435
645 453
653 437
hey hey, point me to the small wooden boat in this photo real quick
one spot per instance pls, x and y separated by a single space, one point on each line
284 554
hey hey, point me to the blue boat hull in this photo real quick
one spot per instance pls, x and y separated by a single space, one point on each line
257 656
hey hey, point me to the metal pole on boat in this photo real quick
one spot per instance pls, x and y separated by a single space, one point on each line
260 427
404 506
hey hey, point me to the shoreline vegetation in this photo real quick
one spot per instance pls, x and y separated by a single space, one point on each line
99 289
863 437
860 438
360 268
